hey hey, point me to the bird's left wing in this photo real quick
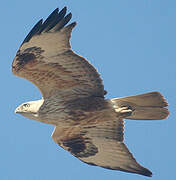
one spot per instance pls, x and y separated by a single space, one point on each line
100 145
45 58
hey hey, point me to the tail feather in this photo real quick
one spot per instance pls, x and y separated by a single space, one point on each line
148 106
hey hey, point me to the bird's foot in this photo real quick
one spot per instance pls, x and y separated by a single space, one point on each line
124 111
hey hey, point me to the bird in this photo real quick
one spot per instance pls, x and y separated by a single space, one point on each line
87 125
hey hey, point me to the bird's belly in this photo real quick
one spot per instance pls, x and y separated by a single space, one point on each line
57 118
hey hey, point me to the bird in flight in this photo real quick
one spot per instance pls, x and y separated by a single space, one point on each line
86 124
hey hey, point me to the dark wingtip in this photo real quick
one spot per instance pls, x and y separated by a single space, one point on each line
57 9
62 12
50 23
34 30
65 8
72 25
146 172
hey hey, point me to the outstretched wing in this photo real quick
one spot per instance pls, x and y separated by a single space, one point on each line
101 145
45 58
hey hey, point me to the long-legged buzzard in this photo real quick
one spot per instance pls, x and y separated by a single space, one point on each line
87 125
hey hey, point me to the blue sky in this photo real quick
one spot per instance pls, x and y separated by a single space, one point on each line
133 46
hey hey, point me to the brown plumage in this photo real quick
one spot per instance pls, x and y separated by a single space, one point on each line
87 125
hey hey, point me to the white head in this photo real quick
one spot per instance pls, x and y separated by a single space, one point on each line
30 109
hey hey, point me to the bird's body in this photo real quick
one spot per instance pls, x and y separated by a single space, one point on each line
87 125
73 112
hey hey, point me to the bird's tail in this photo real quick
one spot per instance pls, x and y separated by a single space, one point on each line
149 106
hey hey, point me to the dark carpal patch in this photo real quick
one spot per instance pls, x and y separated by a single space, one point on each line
28 55
80 147
33 52
25 58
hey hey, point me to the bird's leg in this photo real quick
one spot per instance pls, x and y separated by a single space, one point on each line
124 111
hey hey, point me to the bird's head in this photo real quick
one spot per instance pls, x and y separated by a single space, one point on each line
29 109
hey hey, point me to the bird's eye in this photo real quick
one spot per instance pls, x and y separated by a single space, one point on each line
26 105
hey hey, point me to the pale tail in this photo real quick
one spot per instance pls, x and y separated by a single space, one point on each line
149 106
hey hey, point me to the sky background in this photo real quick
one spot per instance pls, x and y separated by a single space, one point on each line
132 43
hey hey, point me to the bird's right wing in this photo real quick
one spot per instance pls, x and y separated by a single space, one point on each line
100 145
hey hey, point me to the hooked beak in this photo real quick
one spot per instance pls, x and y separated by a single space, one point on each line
17 110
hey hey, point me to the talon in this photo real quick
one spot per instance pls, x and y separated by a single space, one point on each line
124 111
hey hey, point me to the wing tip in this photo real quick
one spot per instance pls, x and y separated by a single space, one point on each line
57 9
33 31
65 8
53 20
72 25
140 170
145 172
